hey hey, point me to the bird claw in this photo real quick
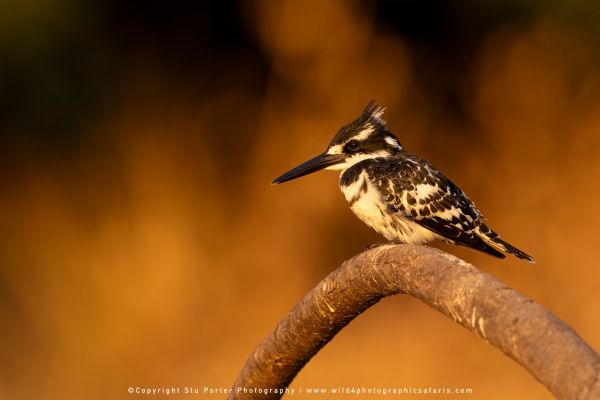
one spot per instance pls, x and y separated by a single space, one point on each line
390 243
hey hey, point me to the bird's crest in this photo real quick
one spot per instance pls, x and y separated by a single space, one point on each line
371 117
373 114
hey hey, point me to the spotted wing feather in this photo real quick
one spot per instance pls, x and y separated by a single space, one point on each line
424 195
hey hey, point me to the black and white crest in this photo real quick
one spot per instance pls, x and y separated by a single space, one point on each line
370 119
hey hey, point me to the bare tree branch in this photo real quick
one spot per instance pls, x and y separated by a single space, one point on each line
525 331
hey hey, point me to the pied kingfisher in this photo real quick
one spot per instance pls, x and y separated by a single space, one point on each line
398 194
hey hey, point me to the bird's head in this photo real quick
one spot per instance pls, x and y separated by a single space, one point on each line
364 138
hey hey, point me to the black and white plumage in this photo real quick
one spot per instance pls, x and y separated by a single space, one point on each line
398 194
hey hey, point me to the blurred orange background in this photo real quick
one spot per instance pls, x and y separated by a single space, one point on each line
142 245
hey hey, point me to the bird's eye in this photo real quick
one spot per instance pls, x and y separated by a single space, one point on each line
351 146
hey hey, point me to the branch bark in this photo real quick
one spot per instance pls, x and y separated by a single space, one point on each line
525 331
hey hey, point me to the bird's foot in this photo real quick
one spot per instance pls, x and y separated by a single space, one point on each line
391 242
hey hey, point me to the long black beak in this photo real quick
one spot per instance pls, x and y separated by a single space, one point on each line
321 161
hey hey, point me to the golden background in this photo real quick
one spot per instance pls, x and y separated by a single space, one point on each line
141 243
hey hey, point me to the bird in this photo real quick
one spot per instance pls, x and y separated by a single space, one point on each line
400 195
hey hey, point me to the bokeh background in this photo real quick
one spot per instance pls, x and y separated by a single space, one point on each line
141 243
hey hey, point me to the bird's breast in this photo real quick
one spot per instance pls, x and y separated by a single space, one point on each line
355 189
367 202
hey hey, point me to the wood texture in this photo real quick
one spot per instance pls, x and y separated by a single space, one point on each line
525 331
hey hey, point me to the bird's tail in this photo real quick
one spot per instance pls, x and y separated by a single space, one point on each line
492 239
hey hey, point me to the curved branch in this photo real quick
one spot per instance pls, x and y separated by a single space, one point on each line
525 331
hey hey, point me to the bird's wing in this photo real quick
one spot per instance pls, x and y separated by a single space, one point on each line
421 193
